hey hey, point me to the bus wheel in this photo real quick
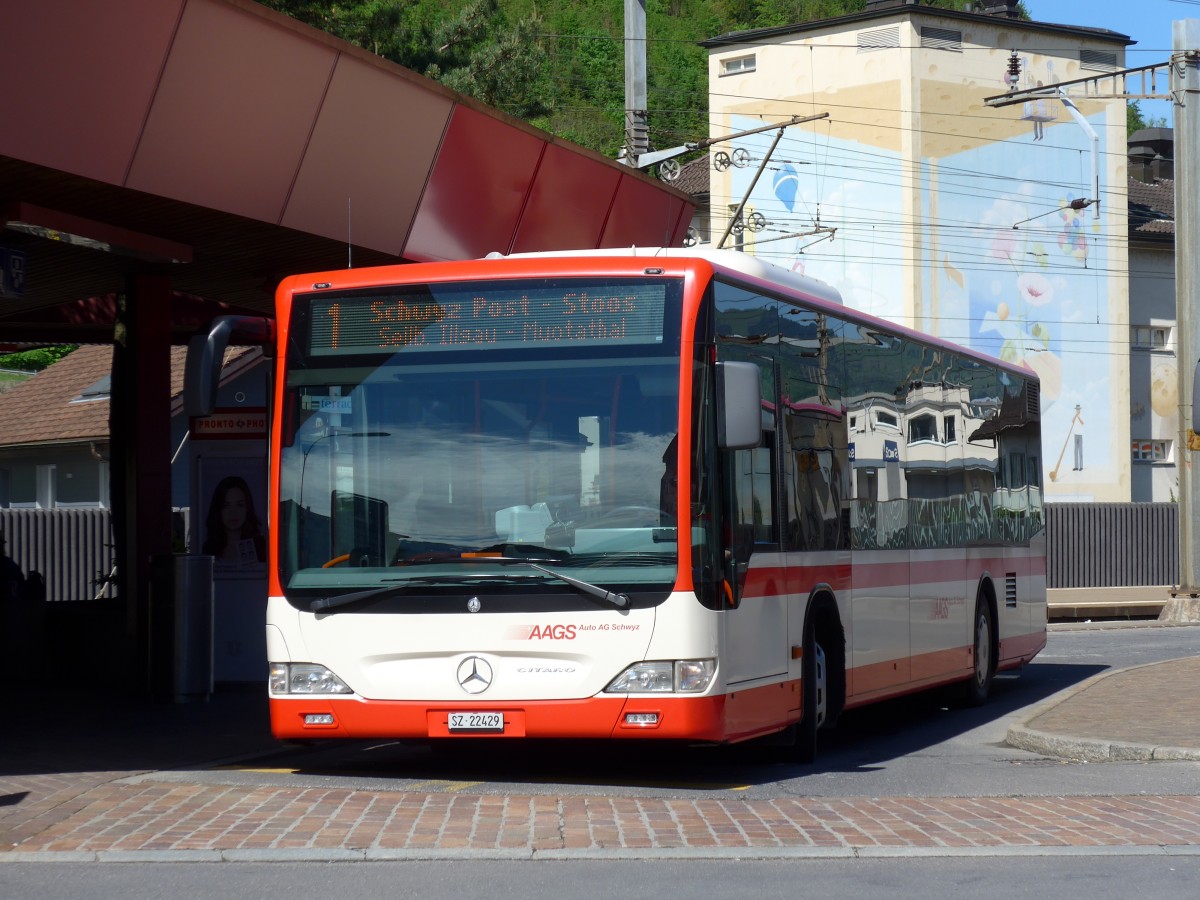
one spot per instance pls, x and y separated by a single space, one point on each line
985 659
814 687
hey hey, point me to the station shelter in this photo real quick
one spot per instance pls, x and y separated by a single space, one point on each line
163 162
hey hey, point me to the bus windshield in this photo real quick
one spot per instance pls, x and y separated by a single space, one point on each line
481 455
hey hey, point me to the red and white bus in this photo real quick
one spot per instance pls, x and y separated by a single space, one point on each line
644 494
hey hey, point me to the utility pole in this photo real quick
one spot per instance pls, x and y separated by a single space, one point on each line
1178 81
636 135
1185 56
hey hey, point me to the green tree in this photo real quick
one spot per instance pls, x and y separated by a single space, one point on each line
37 359
468 44
560 64
483 56
1135 121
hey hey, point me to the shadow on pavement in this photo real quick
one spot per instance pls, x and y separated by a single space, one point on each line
59 730
868 737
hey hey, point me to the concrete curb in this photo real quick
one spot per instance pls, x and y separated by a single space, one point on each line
1084 749
1093 750
334 855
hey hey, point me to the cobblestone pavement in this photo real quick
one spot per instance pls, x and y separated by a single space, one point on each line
1144 712
201 821
54 807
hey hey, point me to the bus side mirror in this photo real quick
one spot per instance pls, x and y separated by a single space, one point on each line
206 354
739 406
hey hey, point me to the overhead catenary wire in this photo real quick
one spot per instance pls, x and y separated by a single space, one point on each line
956 237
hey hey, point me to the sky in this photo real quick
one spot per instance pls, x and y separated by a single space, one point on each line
1146 21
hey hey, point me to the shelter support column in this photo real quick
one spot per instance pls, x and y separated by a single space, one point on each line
141 467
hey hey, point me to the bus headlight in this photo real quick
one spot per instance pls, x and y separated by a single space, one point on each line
305 678
689 676
694 675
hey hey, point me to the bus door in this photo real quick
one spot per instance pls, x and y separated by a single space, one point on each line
756 621
815 468
941 593
879 365
880 567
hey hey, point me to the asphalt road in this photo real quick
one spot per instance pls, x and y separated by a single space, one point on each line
1077 876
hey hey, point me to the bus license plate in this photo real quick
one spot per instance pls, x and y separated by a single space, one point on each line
476 721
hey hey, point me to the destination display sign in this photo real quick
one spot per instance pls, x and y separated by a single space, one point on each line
490 315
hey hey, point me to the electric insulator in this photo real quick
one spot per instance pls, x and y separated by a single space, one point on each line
1014 69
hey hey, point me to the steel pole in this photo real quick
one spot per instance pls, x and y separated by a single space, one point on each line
1185 79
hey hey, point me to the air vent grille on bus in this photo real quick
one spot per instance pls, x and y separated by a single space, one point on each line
1033 399
1010 590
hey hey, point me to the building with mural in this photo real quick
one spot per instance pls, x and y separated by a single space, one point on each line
1002 229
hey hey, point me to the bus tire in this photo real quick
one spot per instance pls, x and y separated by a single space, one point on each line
984 656
814 691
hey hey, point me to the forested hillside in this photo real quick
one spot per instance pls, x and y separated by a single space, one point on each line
559 64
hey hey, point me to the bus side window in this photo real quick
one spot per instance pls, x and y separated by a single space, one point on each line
816 464
751 507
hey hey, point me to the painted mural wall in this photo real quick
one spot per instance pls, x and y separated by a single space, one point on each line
959 222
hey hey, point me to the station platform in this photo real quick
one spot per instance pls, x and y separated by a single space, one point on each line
84 778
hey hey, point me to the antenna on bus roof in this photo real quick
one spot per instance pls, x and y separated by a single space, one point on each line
349 244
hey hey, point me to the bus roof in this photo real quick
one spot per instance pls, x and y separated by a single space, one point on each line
746 265
731 260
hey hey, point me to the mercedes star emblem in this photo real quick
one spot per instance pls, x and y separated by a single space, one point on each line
473 605
474 675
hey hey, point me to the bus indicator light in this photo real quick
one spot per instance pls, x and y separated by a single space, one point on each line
642 719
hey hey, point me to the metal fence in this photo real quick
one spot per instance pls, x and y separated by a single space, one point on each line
72 549
1111 544
1088 545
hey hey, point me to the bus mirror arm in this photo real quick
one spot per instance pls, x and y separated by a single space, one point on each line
206 354
1196 393
739 406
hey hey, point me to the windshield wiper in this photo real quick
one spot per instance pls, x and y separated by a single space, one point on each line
325 604
588 590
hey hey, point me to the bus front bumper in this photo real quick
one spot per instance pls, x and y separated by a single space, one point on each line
661 718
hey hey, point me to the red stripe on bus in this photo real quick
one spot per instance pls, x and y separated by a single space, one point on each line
772 580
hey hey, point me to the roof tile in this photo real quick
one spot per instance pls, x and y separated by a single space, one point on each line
45 409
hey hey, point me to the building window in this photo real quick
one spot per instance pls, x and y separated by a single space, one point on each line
1016 469
922 428
738 64
102 469
886 418
948 429
941 39
47 495
1151 451
880 39
1098 60
101 390
1149 337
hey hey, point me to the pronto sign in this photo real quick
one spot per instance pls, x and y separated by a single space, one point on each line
231 425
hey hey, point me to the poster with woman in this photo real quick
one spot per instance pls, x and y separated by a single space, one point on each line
233 528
